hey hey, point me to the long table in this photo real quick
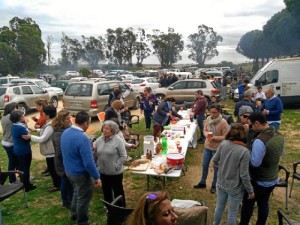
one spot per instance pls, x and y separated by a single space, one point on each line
189 140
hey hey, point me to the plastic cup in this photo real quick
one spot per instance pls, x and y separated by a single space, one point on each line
210 135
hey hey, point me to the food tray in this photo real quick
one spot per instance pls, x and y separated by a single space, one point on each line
139 165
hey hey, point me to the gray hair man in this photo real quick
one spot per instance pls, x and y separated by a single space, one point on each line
272 108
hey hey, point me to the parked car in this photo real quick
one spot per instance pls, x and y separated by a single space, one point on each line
97 72
25 95
72 74
92 96
216 73
184 90
76 79
112 77
139 84
63 84
7 79
39 82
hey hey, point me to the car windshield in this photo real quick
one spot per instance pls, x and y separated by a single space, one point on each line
43 84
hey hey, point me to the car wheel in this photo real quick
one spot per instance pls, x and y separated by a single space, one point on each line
136 104
54 102
160 98
22 107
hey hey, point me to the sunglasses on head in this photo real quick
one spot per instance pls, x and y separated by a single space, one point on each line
150 197
245 116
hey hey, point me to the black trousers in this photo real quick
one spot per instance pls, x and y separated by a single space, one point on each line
55 178
24 162
112 186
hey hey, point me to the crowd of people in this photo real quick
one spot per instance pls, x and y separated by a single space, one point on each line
245 154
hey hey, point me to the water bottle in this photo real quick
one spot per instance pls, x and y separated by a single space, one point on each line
164 143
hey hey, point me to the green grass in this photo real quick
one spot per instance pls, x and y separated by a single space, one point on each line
45 208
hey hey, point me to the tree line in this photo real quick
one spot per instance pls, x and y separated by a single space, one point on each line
22 48
279 38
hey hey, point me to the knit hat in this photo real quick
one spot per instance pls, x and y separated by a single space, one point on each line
245 109
41 102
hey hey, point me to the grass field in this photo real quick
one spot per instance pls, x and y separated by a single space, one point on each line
45 208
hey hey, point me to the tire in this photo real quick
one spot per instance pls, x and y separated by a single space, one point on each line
22 107
136 104
160 98
54 102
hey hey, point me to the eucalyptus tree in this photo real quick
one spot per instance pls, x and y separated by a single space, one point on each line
9 58
203 44
167 47
120 45
28 43
49 48
71 51
142 51
93 50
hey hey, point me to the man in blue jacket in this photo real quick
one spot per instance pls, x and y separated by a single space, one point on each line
272 108
80 167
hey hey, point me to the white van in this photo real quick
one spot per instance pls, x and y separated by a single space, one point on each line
284 75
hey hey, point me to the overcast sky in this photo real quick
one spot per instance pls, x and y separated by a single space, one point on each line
229 18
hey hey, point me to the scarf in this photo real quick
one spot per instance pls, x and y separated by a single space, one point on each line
239 143
213 122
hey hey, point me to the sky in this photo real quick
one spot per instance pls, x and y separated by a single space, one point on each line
229 18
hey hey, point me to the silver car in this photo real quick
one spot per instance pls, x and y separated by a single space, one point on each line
184 90
92 96
39 82
25 95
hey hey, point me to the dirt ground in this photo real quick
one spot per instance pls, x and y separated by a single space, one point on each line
94 127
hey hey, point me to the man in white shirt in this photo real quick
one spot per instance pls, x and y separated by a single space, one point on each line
260 94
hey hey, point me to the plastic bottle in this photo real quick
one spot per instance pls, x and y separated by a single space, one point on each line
164 143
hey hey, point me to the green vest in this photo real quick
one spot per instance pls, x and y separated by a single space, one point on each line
268 170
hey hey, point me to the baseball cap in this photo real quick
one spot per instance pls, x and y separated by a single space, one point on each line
245 109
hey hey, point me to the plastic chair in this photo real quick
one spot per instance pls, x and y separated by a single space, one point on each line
283 182
7 190
101 117
294 176
116 215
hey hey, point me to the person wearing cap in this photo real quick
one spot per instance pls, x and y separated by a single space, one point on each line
246 100
39 122
244 112
241 88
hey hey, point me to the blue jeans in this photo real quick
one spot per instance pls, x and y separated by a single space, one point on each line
207 156
66 190
148 118
200 121
262 195
12 162
234 200
83 192
275 125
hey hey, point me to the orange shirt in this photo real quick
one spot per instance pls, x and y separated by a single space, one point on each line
41 120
